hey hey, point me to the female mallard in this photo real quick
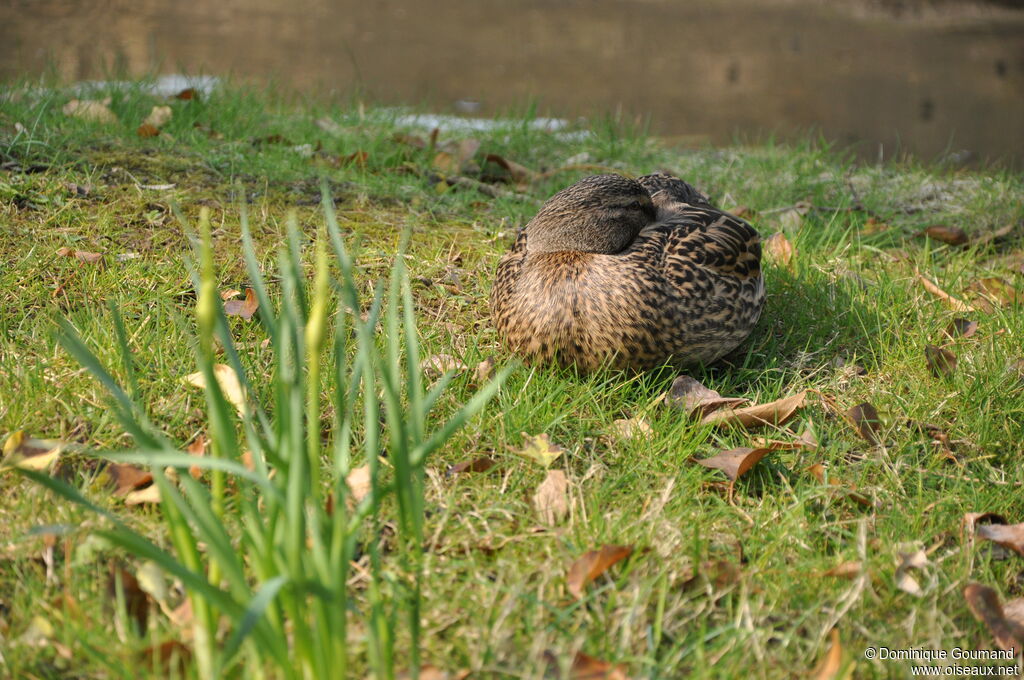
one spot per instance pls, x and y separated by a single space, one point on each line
629 274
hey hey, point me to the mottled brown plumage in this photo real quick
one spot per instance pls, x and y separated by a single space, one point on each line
630 274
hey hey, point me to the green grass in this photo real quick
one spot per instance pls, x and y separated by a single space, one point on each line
494 587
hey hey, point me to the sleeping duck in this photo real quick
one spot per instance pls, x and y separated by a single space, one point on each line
629 274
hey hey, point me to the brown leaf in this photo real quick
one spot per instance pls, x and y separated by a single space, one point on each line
830 665
481 464
170 656
24 452
187 94
198 449
456 156
908 561
146 130
866 421
997 290
772 413
778 247
954 236
540 449
586 667
972 520
632 428
81 255
428 672
961 327
243 308
437 365
92 110
127 478
136 601
358 158
229 384
696 400
845 570
735 462
359 482
941 362
592 564
954 303
552 497
484 370
150 494
158 116
999 233
984 604
1007 535
520 174
874 226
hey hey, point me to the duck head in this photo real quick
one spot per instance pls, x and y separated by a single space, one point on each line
598 214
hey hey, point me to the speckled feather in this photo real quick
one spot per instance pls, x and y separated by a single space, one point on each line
687 289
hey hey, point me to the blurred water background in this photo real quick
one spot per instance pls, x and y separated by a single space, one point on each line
938 79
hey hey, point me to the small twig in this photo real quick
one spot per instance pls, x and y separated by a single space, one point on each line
488 189
954 303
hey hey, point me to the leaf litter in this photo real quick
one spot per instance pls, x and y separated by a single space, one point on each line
552 498
539 449
592 564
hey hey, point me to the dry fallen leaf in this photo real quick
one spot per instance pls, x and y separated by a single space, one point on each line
158 116
481 464
586 667
830 665
552 497
632 428
90 109
23 452
229 385
735 462
904 581
428 672
150 494
136 601
778 247
941 362
997 290
1007 535
198 449
540 449
456 156
437 365
243 308
127 478
484 370
146 130
518 173
172 657
772 413
954 303
592 564
696 400
81 255
961 327
866 421
954 236
972 520
984 604
359 482
845 570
